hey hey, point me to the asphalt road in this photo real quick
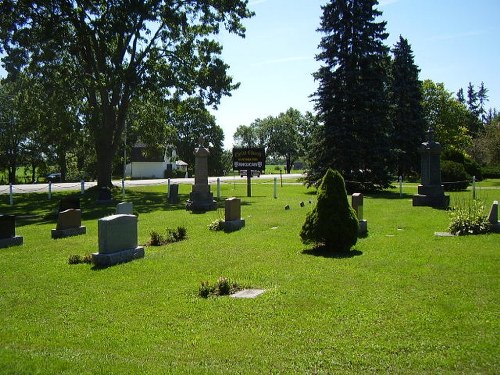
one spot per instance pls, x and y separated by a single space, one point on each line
76 186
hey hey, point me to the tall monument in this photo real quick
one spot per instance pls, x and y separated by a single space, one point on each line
200 198
431 191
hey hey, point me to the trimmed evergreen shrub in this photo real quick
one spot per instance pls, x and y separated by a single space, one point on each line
454 176
332 223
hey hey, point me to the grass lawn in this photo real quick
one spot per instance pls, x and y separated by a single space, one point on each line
403 301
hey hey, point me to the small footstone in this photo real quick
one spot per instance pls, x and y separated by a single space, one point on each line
443 234
248 293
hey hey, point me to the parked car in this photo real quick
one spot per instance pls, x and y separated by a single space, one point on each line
243 173
54 177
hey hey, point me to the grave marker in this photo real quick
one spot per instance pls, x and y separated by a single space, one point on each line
493 217
357 205
8 232
126 208
117 240
232 217
69 223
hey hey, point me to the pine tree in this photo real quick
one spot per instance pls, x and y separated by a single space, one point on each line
332 223
352 97
407 114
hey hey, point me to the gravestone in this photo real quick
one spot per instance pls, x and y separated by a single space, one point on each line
67 203
8 232
117 240
357 205
200 198
493 217
232 217
173 194
126 208
431 190
69 223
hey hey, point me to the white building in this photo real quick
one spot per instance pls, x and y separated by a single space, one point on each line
156 165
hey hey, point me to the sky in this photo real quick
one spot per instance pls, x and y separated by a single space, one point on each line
454 42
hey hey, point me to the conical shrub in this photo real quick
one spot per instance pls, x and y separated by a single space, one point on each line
332 223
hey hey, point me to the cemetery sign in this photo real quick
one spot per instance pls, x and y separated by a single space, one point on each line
249 159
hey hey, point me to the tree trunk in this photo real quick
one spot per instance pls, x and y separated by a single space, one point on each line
104 154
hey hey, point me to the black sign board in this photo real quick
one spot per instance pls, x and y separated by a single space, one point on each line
249 159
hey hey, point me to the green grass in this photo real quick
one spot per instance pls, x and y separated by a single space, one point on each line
403 301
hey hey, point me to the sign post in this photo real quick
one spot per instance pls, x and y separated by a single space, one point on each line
249 159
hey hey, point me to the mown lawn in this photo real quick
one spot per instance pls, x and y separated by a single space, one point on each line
403 301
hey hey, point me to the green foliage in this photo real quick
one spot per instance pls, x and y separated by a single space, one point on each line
223 287
168 50
468 217
78 259
216 225
352 99
491 171
407 112
446 115
332 222
156 239
454 176
470 166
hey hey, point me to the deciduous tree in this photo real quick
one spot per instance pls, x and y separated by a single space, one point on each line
114 49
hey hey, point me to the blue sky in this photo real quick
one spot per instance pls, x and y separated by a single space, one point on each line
454 42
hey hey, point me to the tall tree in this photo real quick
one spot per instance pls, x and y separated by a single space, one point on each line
407 113
191 119
446 115
115 48
352 98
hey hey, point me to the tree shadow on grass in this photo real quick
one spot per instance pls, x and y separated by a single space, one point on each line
321 251
389 195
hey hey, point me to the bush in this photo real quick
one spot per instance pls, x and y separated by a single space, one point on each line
156 239
77 259
222 287
470 166
172 236
468 218
332 223
216 225
454 176
491 171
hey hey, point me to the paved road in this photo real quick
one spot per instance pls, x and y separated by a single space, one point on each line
68 186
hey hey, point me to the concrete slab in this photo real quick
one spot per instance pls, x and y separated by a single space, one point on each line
248 293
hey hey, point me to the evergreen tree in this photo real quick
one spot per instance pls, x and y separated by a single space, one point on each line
352 97
474 124
482 96
332 223
460 96
407 114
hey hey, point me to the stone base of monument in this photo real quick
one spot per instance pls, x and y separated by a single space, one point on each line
201 201
12 241
62 233
124 256
440 201
495 228
431 196
233 225
363 228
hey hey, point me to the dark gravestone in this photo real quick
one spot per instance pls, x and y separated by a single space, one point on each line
69 203
8 231
69 224
173 194
7 226
431 190
200 198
